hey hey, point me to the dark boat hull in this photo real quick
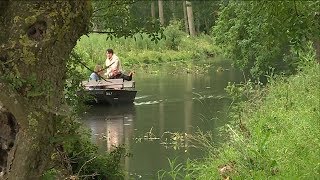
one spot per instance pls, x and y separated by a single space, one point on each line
111 96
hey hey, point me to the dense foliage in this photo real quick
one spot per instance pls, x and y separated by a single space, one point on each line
77 157
124 19
263 35
128 17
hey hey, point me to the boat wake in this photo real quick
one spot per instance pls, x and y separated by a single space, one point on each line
146 103
142 97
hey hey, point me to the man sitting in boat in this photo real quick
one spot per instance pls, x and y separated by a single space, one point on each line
113 65
96 76
98 72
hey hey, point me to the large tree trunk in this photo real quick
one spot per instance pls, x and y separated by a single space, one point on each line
153 12
185 17
161 17
36 38
190 18
173 9
197 23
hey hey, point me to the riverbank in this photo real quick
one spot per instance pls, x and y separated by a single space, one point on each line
274 136
139 51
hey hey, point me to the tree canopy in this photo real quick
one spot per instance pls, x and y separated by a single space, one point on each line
264 36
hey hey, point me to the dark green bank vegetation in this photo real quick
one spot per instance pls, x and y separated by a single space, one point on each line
274 132
77 157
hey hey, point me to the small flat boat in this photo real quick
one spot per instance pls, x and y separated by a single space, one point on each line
110 91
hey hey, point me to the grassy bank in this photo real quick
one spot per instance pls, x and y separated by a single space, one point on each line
275 135
140 51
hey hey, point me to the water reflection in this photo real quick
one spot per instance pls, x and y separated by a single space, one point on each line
111 125
166 106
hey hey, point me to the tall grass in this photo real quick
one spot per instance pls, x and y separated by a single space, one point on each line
140 50
278 138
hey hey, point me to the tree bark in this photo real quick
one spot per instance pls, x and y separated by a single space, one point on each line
173 9
161 17
190 18
36 39
153 12
185 16
197 29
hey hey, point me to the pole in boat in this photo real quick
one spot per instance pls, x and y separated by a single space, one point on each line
93 71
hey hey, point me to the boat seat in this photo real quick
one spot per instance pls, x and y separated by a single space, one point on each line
105 84
129 84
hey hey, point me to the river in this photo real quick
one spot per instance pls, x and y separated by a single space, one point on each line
166 109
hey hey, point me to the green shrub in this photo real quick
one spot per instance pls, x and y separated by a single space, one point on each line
77 156
173 35
274 136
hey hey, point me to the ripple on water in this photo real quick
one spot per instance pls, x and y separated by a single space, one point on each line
142 97
208 97
146 103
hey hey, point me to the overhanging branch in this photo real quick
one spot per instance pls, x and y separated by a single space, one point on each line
102 32
112 4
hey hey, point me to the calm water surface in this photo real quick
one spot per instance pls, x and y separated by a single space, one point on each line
165 105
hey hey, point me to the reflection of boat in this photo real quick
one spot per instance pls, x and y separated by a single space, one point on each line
111 126
111 91
101 111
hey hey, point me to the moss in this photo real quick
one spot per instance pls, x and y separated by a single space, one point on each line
28 56
16 19
30 20
33 118
52 14
25 41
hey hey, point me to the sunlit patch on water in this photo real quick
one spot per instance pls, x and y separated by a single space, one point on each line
208 97
135 175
